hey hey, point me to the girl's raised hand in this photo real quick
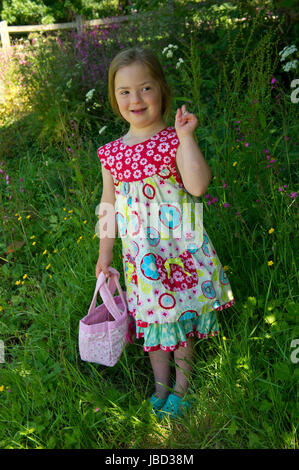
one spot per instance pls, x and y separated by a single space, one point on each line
185 122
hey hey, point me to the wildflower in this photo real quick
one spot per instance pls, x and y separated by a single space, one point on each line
44 252
234 164
169 54
270 263
246 144
47 267
290 65
224 338
226 204
1 388
294 195
32 236
288 50
28 216
226 268
25 275
20 218
1 308
271 230
18 282
79 239
89 95
84 221
70 211
33 243
180 61
168 48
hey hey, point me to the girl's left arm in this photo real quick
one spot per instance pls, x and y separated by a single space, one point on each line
194 170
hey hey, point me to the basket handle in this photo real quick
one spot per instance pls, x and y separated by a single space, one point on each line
107 292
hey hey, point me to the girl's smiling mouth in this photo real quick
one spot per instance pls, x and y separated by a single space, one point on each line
138 111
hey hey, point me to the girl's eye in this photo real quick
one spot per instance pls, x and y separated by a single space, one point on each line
144 88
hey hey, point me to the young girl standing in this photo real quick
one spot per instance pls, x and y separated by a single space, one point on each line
174 286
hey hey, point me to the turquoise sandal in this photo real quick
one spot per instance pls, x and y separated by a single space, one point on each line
174 407
157 403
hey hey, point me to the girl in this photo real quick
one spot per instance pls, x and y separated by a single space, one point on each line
174 285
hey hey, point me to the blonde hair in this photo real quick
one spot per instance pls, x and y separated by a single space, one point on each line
145 57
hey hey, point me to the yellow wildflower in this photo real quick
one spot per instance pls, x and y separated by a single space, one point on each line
16 215
44 252
17 282
1 308
224 338
271 230
226 268
234 164
94 236
32 236
64 218
70 211
47 267
20 218
1 388
270 263
55 251
33 243
84 222
25 275
28 216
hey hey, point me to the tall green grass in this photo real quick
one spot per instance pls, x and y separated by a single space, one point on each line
244 384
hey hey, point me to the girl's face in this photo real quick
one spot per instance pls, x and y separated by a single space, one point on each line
138 95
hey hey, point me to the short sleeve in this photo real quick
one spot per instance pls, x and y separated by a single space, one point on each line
103 154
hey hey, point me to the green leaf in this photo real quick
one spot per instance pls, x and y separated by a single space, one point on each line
282 372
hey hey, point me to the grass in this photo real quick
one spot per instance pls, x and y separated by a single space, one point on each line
244 383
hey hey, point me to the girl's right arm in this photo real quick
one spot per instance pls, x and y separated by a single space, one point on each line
108 213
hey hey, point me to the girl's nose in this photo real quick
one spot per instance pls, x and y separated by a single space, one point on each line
135 98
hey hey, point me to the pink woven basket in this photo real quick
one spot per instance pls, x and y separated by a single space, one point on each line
102 337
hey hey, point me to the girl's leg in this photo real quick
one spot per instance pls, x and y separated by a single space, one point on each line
160 361
183 358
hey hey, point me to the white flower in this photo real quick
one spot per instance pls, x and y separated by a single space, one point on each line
168 48
290 65
287 51
89 95
169 54
181 61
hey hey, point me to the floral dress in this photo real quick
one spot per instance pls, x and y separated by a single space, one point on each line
174 279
